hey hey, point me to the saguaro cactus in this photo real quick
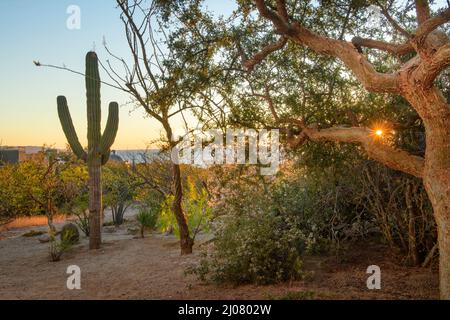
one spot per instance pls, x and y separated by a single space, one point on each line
99 145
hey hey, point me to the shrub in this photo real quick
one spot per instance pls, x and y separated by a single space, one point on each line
119 190
69 233
196 209
147 218
58 247
82 221
259 248
79 207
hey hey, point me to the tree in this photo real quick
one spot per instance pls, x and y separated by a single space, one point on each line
425 54
163 84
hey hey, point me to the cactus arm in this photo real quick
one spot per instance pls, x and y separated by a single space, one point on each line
93 100
111 128
105 157
68 128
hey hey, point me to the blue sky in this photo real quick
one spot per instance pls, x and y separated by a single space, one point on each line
36 30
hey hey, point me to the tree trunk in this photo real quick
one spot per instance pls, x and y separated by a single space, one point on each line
441 207
435 113
95 206
186 241
437 181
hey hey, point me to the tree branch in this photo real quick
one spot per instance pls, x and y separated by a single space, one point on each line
393 23
249 64
396 49
375 149
430 25
343 50
422 11
428 70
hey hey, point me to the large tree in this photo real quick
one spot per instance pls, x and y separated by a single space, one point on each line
423 54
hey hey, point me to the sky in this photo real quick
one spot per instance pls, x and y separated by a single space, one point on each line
37 30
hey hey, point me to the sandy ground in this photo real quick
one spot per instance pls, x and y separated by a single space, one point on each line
152 268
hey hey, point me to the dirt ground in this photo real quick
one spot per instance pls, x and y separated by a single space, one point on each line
132 268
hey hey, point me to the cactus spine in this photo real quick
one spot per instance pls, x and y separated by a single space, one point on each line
99 144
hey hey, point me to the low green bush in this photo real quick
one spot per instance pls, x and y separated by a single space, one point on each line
147 219
258 248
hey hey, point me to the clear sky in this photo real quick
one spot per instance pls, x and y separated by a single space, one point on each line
36 30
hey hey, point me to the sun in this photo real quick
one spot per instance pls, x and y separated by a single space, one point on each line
381 130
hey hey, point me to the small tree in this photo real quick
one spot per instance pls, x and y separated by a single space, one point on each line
119 190
163 84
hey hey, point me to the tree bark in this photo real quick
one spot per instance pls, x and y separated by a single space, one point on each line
437 184
435 113
186 242
95 206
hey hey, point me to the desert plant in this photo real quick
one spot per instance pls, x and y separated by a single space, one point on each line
119 190
259 248
82 221
69 233
147 218
195 205
99 144
58 247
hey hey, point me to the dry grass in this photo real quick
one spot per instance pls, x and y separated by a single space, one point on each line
25 222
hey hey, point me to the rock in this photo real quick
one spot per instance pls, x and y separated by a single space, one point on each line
70 233
44 238
33 233
109 229
132 231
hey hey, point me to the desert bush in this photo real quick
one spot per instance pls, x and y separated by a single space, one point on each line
78 207
196 208
82 221
260 248
401 209
69 233
43 185
59 247
147 218
119 190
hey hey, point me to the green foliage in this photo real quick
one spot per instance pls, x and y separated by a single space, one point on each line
119 190
79 208
147 218
14 181
59 247
259 248
196 208
70 234
42 185
166 220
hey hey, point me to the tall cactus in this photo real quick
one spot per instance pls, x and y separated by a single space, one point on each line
99 145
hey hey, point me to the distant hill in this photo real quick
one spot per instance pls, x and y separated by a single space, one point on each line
136 155
127 155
